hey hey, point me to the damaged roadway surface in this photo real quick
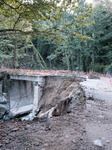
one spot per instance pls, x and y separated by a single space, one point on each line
98 112
88 122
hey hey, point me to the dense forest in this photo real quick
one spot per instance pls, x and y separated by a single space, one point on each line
78 38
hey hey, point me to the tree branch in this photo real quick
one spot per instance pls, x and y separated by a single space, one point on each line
17 21
11 6
10 30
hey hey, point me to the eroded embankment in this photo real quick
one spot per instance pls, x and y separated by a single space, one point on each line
60 94
53 94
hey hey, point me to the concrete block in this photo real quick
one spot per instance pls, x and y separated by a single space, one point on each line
21 110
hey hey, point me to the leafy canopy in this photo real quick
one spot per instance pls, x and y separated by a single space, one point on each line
18 16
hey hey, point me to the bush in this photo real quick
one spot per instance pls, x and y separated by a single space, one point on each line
108 69
97 68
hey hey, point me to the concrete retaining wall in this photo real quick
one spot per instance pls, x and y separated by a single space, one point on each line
21 93
25 94
38 94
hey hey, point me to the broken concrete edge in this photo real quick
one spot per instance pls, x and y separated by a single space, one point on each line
39 78
35 77
20 111
93 76
30 74
3 110
55 111
62 107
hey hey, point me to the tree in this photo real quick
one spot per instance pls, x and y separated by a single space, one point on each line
74 52
63 24
66 47
101 32
106 3
17 15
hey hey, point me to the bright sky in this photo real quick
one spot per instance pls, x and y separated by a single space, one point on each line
89 1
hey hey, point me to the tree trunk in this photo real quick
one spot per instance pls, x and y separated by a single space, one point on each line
15 55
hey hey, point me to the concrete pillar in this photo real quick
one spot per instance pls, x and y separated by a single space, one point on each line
38 92
25 94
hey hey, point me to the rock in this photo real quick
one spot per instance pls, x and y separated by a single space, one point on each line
93 77
1 145
101 116
81 139
3 100
15 129
3 110
28 126
107 141
74 141
6 118
60 95
6 141
90 102
20 111
27 117
62 107
98 143
36 143
88 106
47 114
46 144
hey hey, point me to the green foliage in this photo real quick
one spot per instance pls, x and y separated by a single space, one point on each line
17 51
67 36
98 67
57 37
108 69
17 15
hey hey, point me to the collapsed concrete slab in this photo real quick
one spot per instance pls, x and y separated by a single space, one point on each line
3 110
20 111
45 94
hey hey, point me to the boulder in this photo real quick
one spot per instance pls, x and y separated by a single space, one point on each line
93 76
15 112
3 110
3 100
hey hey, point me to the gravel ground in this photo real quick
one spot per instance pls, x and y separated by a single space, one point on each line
99 88
66 132
88 122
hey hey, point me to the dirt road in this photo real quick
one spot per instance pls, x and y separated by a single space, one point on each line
98 88
98 124
88 122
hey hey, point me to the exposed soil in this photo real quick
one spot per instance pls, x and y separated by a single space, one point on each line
68 132
58 89
88 121
59 133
